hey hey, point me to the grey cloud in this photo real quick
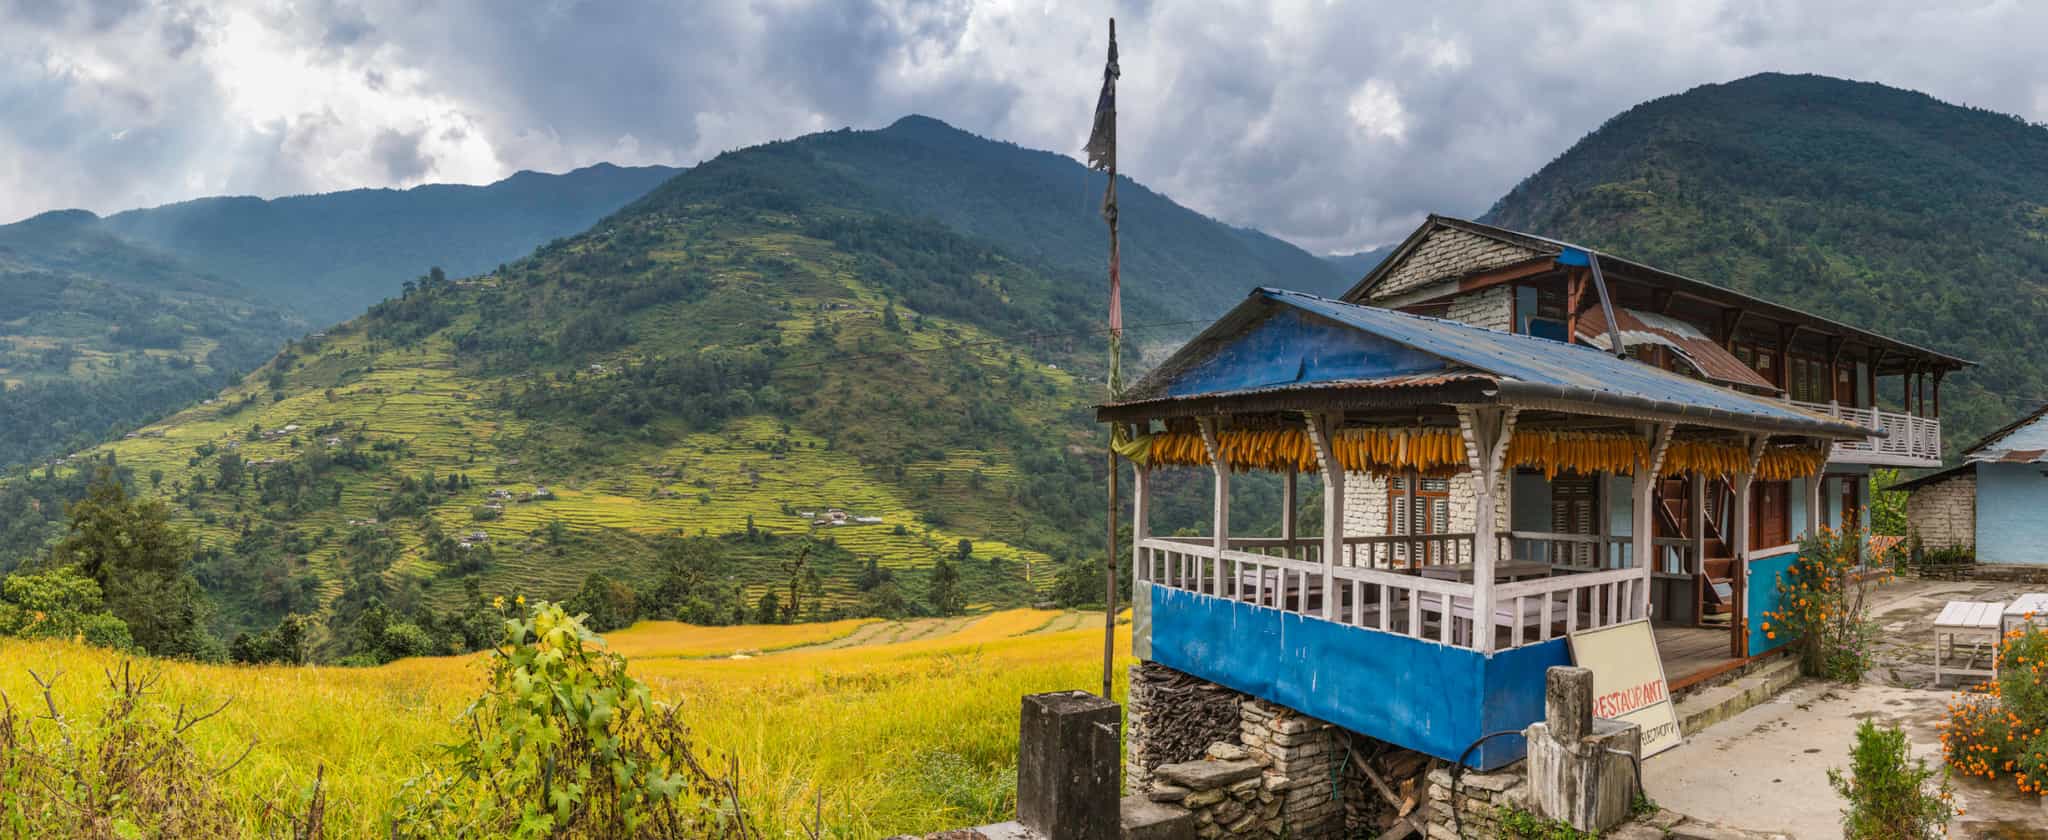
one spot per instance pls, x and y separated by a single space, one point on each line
400 155
1336 126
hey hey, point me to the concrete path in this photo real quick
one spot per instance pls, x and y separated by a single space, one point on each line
1766 768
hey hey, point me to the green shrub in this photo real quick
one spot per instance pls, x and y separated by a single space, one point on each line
564 744
1823 606
1889 792
59 604
2004 729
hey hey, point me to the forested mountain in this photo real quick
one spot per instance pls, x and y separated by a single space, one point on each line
98 335
331 255
781 385
1881 207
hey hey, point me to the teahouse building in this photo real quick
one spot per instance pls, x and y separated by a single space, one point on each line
1495 477
1993 501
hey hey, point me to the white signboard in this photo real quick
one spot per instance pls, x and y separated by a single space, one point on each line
1628 681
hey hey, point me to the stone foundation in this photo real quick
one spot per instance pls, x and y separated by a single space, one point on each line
1272 772
1480 798
1944 513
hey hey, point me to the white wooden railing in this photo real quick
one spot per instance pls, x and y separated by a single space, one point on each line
1906 440
1392 599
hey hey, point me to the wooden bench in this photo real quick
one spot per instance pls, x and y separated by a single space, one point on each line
1975 622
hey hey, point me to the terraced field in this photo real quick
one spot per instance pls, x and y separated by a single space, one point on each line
904 726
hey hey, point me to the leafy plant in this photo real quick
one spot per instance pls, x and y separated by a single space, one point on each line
2003 729
1522 825
59 604
1823 605
1889 792
564 743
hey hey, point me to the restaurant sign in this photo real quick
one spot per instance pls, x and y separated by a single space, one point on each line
1628 681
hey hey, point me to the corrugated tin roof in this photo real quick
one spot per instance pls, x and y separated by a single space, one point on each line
2023 441
1520 365
1695 347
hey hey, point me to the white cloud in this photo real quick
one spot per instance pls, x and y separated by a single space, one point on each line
1334 125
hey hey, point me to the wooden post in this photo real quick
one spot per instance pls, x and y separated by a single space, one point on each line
1486 431
1696 528
1645 492
1320 428
1141 524
1288 502
1219 512
1813 499
1937 391
1109 583
1739 622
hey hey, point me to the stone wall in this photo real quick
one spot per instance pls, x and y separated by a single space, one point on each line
1480 798
1448 253
1366 499
1277 773
1492 308
1944 513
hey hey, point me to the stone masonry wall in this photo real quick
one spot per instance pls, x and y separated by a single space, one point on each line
1276 773
1366 498
1491 308
1446 254
1944 514
1480 798
1173 717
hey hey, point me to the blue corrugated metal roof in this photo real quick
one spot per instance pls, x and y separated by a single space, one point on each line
1573 372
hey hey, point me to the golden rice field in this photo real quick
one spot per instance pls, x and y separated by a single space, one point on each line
888 726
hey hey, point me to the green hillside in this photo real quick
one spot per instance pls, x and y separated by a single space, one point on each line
98 335
332 255
1881 207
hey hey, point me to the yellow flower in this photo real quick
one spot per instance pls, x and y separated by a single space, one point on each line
498 603
521 600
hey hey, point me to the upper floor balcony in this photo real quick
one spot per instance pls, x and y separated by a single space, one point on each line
1898 439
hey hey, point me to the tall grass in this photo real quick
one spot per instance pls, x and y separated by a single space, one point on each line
886 738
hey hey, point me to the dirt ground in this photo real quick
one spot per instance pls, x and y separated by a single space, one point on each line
1766 769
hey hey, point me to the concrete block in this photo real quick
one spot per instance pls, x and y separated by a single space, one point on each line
1069 765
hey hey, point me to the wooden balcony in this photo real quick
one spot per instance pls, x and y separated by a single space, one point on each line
1904 440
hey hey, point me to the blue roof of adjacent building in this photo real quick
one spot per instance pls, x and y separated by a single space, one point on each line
1265 344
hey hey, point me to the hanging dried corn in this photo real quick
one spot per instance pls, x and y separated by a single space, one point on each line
1555 451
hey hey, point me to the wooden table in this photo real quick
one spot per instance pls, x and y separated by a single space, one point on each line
1975 622
1462 572
2016 613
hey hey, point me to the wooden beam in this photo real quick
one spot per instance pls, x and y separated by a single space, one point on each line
1219 512
1937 391
1289 500
1739 547
1660 300
1575 294
1320 428
1506 274
1141 523
1731 320
1786 332
1487 431
1645 493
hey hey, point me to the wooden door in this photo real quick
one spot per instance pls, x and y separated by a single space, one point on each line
1771 513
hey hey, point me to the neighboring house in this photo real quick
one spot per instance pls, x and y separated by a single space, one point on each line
1532 285
1996 500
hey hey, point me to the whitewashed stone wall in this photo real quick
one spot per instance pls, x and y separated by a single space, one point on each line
1446 254
1365 505
1944 514
1491 308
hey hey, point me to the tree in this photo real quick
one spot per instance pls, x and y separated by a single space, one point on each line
944 593
606 604
58 604
137 557
768 610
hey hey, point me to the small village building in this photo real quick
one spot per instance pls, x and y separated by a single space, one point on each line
1995 502
1516 439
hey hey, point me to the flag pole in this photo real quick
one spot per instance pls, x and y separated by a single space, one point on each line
1102 154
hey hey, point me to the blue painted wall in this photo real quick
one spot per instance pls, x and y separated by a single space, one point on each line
1764 574
1420 695
1289 347
2012 514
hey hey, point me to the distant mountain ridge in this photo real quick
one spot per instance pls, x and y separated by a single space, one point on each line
1881 207
331 255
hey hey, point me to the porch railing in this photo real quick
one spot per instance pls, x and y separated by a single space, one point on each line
1387 599
1907 440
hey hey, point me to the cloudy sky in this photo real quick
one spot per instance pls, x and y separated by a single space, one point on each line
1335 125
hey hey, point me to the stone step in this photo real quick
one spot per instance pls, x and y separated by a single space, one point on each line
1708 706
1144 819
